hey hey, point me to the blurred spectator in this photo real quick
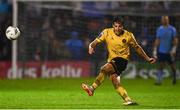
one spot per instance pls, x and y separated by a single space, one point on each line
102 5
129 24
75 46
93 27
153 6
46 24
87 18
114 5
5 45
167 5
90 10
106 22
4 6
146 40
123 6
58 50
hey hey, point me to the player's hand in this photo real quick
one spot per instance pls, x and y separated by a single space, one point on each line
155 54
152 60
173 53
91 50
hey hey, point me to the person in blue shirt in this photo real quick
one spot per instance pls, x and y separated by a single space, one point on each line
75 46
165 48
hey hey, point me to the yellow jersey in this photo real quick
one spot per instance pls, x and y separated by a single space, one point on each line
117 46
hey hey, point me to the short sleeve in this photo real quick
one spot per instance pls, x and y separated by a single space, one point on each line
174 32
133 43
102 36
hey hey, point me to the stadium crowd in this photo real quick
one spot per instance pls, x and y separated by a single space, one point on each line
65 32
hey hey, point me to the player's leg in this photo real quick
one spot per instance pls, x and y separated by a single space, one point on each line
160 73
120 90
171 62
173 68
106 69
119 65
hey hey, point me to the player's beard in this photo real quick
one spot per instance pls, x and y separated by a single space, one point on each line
118 32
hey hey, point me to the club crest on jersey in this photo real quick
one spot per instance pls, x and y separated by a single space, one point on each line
124 40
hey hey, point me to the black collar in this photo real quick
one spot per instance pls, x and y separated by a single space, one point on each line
120 33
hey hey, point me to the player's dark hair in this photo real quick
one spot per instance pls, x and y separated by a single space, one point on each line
118 19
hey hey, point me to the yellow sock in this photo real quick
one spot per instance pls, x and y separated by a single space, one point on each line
98 81
123 93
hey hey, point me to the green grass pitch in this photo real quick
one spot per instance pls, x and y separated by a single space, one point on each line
66 93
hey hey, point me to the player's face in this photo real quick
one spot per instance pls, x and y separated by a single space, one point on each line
165 20
118 27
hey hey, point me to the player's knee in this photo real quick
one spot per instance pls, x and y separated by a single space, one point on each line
104 69
107 69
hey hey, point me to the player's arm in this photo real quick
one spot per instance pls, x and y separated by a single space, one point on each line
98 40
140 51
156 45
156 42
175 42
175 45
92 46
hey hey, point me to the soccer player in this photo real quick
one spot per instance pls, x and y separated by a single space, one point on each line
165 48
118 41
